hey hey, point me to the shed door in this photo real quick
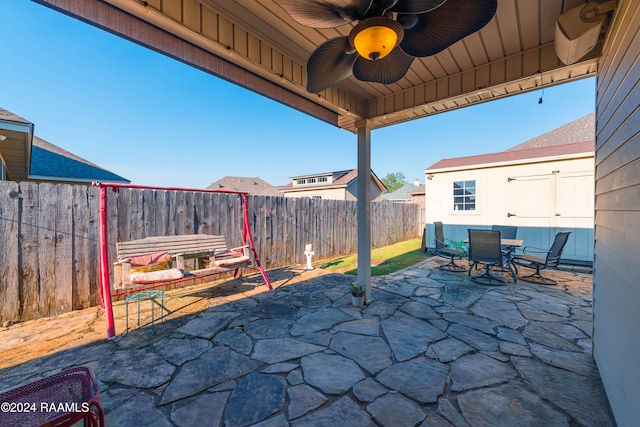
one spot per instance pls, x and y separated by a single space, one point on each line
530 206
574 212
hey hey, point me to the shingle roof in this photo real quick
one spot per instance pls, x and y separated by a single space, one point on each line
10 117
255 186
515 155
402 193
583 129
341 179
573 138
49 160
419 190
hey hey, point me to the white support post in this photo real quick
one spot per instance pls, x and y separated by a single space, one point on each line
364 207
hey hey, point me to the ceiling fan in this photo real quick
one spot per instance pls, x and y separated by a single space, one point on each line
388 36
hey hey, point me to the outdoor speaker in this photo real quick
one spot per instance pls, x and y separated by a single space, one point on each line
578 30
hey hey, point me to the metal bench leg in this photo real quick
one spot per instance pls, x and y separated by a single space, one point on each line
153 310
126 313
162 308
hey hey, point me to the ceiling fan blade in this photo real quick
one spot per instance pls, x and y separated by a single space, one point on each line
329 64
416 6
442 27
325 13
387 70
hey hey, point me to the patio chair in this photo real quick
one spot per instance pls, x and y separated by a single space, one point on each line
506 232
551 259
485 249
442 250
62 399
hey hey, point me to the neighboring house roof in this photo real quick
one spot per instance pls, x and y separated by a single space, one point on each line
556 143
402 194
10 117
340 179
419 190
15 147
583 129
50 162
254 186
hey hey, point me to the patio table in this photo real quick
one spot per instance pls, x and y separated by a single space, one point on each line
510 245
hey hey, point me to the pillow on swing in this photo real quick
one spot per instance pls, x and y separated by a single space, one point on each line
156 276
150 262
227 262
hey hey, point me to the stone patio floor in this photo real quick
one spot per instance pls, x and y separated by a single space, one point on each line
432 349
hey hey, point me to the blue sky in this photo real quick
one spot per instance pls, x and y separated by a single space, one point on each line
159 122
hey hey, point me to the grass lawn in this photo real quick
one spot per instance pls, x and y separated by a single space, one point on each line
384 260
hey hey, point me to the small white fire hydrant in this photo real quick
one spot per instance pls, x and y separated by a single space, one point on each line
308 252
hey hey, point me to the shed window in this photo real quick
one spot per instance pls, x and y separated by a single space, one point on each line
464 195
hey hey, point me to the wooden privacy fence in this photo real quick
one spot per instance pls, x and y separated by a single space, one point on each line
49 258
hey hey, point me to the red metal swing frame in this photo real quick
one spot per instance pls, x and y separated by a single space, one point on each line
105 285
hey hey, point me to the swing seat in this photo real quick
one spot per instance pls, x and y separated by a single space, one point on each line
130 269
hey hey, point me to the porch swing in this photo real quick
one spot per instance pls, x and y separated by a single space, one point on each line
144 264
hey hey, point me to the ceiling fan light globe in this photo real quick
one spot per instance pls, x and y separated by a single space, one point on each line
375 42
375 38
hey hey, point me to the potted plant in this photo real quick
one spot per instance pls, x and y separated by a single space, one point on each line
357 294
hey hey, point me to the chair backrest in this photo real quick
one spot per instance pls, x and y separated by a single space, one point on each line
506 231
484 246
439 235
553 256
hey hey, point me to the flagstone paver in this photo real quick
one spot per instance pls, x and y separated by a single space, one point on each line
136 368
421 379
450 413
476 339
303 399
409 337
372 353
587 406
255 398
213 367
433 349
208 324
494 407
180 350
478 370
331 373
344 412
395 410
281 349
193 410
368 390
450 349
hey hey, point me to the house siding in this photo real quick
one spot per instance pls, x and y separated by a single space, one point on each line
616 294
352 192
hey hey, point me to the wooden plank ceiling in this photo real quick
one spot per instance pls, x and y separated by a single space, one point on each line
256 44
